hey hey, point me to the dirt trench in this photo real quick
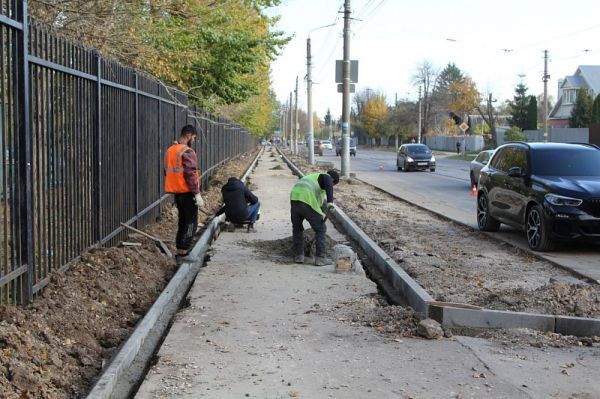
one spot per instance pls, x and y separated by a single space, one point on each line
55 347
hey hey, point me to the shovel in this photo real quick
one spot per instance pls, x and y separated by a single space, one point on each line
163 247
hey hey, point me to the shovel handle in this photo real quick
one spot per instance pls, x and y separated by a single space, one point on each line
140 232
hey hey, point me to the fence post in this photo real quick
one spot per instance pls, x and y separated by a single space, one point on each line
98 149
160 151
25 175
136 150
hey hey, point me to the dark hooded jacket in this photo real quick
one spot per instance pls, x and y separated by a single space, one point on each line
236 197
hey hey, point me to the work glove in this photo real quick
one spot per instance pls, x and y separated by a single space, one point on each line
199 200
330 207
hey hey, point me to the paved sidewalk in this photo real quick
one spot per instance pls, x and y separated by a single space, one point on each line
257 328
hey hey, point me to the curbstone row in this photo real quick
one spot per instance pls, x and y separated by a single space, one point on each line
128 366
397 281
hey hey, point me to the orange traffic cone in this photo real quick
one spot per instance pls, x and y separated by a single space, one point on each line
474 191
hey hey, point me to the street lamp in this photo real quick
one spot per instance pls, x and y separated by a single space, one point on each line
309 111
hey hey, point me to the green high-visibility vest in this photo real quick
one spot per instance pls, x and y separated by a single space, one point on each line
307 190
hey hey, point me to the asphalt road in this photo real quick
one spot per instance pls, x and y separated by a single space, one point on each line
447 191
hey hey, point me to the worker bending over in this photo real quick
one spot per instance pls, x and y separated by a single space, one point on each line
307 198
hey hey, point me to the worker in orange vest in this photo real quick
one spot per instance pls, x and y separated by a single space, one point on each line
182 179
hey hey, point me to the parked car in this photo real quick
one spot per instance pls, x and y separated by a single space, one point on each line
352 149
318 148
327 144
477 164
549 190
415 157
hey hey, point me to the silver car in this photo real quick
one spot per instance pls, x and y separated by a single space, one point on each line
478 163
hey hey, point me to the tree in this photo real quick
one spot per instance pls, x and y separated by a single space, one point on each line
373 117
514 134
532 109
425 77
581 114
489 116
401 120
519 107
464 97
596 110
327 122
218 54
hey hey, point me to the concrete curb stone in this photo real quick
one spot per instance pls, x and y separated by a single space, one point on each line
450 316
125 369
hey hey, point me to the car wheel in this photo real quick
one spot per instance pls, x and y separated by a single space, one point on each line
538 236
405 167
432 170
485 221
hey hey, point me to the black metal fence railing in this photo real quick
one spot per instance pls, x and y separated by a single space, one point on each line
82 143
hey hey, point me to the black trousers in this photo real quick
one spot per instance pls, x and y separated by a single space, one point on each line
188 220
300 212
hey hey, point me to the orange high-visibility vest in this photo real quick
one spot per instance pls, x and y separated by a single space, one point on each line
174 179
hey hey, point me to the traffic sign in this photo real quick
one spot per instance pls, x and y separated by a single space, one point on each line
339 73
464 127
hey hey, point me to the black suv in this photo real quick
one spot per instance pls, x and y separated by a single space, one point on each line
550 190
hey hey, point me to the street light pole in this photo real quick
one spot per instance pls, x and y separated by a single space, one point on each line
296 124
419 123
545 108
311 139
346 94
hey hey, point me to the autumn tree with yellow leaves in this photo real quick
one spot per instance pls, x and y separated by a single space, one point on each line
219 53
374 115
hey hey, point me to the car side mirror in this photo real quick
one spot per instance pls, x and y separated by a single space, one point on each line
515 171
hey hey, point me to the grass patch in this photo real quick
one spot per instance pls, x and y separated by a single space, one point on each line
467 157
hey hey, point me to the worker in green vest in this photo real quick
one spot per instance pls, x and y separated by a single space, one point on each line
309 195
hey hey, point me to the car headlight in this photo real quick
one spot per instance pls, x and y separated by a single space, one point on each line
432 159
560 200
409 159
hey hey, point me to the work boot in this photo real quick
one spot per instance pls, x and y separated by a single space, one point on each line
299 258
323 261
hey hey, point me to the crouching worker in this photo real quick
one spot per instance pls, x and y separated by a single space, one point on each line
308 196
240 204
183 180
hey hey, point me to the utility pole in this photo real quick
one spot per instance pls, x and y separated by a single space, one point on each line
284 125
311 138
419 122
291 120
346 93
296 124
281 123
545 108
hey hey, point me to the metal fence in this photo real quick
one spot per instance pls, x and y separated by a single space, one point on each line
83 139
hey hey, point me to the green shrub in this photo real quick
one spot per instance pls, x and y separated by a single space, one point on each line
514 134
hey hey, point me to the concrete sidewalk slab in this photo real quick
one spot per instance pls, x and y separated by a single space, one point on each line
260 329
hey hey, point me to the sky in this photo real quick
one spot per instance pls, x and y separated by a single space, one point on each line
497 43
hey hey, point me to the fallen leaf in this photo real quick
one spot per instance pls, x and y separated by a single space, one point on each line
295 394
